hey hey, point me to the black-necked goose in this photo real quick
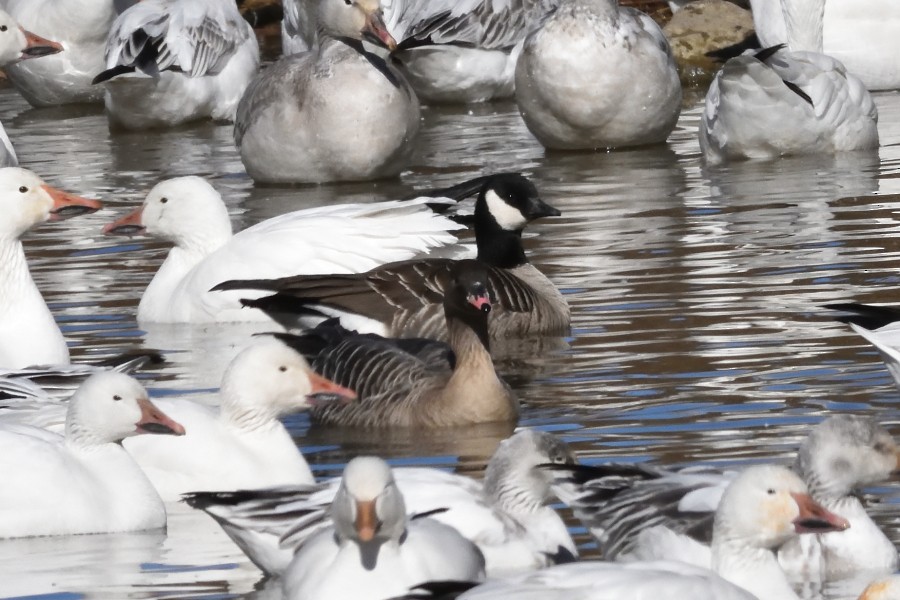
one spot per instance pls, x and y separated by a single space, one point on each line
404 299
596 75
169 63
373 550
336 113
397 388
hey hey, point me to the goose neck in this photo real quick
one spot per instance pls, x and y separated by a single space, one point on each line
804 21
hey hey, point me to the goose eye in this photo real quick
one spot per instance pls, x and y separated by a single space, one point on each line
881 448
282 368
163 200
3 28
23 189
117 397
770 492
348 2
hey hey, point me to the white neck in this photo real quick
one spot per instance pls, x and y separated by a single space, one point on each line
804 21
242 414
752 568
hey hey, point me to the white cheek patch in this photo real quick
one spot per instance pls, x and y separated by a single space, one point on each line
507 217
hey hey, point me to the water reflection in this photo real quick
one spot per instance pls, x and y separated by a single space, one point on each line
694 291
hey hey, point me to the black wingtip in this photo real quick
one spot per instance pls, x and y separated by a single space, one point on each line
110 73
767 53
866 316
721 55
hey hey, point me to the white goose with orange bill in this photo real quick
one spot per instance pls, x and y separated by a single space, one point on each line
83 481
28 334
336 113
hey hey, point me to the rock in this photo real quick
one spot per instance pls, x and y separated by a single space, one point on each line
703 26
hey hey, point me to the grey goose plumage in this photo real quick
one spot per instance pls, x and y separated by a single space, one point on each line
398 388
403 299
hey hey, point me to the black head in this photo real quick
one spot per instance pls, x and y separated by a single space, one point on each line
467 298
511 201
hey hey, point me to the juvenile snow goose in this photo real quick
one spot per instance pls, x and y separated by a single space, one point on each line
242 445
763 508
880 326
596 75
83 482
190 213
404 299
374 551
787 101
841 454
337 113
508 516
173 61
28 334
400 387
80 27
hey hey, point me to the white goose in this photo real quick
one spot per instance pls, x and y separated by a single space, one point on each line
373 551
83 482
173 61
190 213
242 445
28 333
861 34
337 113
596 75
764 507
80 26
508 517
794 101
841 454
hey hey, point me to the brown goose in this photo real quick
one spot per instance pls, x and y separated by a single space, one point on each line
399 383
403 299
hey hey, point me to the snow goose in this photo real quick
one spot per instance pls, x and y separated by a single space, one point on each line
399 383
596 75
763 507
451 52
880 326
841 454
81 27
28 333
374 550
243 445
337 113
787 101
398 300
507 516
173 61
84 481
190 213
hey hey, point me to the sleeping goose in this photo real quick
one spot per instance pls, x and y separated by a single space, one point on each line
787 101
173 61
399 300
451 52
763 507
345 238
242 445
373 550
841 454
28 334
80 27
336 113
596 75
507 516
880 326
398 385
84 481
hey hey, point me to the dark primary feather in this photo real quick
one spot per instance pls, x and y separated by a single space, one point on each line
866 316
751 42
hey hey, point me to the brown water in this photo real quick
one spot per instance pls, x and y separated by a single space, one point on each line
696 336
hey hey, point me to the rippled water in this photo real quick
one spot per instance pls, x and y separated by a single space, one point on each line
694 291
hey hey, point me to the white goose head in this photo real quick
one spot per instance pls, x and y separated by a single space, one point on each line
268 379
767 505
368 507
186 211
844 452
109 407
356 20
25 201
18 44
519 466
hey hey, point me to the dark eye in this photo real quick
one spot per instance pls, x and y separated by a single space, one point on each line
3 28
282 368
770 492
163 200
348 2
117 397
881 448
23 189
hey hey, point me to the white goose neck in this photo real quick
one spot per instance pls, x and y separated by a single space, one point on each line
13 267
240 410
804 21
752 568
